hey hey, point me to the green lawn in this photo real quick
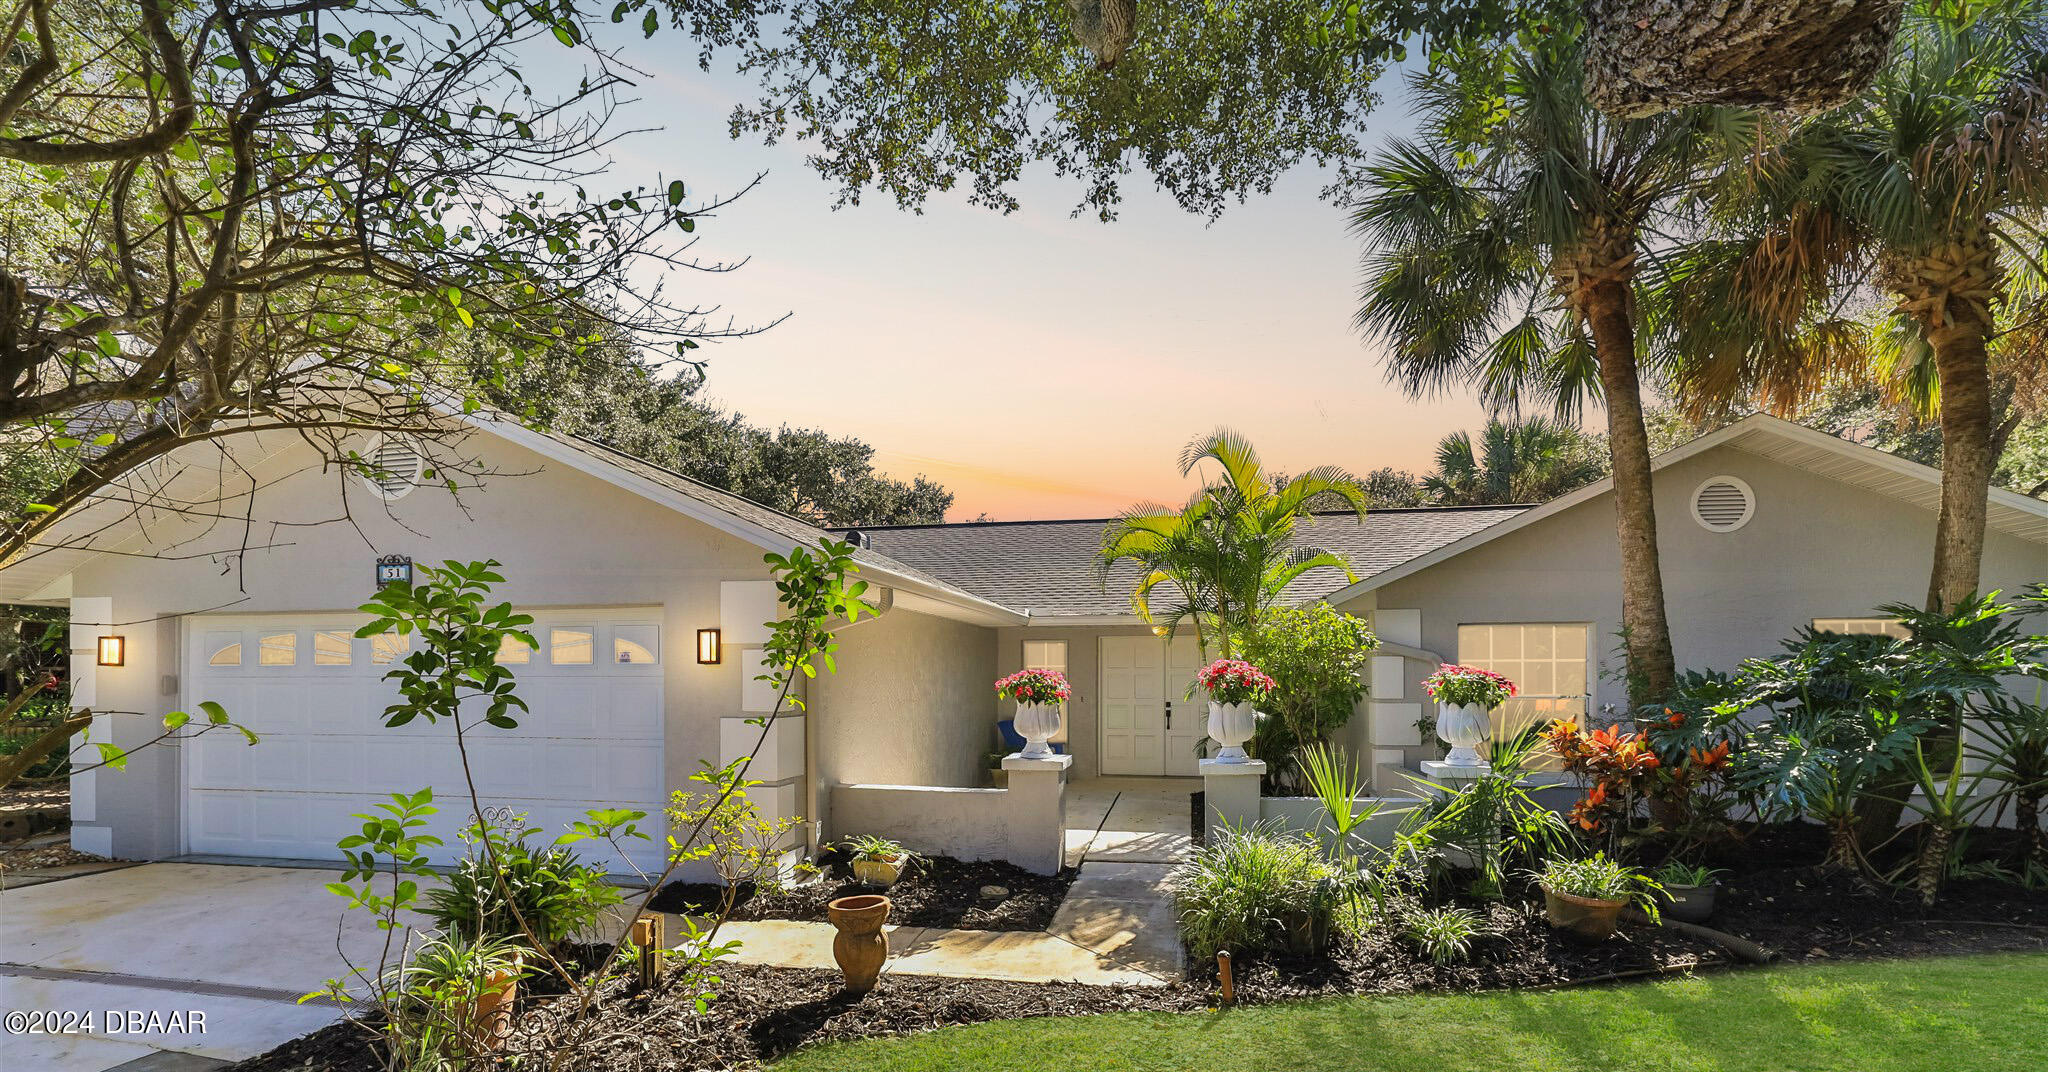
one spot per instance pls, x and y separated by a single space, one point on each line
1952 1015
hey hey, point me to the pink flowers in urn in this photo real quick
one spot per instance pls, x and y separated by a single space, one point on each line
1035 687
1455 684
1234 681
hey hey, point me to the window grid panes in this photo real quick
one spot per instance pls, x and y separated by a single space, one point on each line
388 648
1890 627
333 647
636 644
571 646
278 649
513 651
1546 661
1049 655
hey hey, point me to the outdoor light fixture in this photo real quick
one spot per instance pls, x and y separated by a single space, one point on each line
113 650
707 647
1160 631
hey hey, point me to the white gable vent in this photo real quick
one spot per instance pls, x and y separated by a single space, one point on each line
1723 504
393 467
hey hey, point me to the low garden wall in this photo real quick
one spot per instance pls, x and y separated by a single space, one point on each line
1023 824
1305 815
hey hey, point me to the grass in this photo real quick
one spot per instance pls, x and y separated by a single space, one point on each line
1962 1014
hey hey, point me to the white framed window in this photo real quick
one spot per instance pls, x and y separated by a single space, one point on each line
572 645
278 649
1547 661
636 644
1890 627
333 647
226 649
1049 655
513 651
388 648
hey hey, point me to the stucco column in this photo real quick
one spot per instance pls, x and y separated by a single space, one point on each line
1037 811
1230 794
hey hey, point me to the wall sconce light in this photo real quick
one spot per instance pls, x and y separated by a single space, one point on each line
1160 631
708 647
113 650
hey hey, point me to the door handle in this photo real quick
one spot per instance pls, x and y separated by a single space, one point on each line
1169 714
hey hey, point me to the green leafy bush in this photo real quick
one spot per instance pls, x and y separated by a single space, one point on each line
1257 889
1316 657
556 894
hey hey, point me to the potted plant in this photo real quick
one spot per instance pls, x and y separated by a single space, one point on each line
1465 698
1688 890
1586 896
1234 686
1038 694
877 861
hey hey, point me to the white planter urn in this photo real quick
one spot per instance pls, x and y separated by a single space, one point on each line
1037 723
1231 725
1464 727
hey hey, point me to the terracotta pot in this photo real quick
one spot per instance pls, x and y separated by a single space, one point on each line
1690 904
860 947
493 1022
883 872
1588 917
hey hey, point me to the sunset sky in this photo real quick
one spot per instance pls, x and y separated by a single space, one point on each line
1038 365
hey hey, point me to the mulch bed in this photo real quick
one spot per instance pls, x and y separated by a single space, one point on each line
939 891
764 1013
1774 897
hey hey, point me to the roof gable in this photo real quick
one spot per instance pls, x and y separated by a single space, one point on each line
1780 440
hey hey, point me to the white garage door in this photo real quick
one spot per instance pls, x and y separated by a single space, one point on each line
314 692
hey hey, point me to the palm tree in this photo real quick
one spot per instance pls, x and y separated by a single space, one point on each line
1533 459
1231 550
1933 186
1512 265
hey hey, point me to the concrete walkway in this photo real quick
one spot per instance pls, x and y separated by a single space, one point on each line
1116 926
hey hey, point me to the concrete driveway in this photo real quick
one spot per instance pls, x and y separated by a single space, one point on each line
219 954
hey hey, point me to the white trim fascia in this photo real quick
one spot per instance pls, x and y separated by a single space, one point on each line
759 535
1055 621
1755 422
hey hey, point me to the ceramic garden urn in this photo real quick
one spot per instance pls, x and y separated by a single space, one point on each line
1037 723
860 947
1464 727
1231 725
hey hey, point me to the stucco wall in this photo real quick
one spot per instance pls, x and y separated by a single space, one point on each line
912 704
1084 670
1815 548
564 539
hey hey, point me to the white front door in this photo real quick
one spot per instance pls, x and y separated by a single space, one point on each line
315 694
1148 724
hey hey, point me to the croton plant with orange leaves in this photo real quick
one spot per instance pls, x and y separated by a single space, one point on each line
1623 767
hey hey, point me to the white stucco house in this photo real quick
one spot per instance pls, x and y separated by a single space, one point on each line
1765 527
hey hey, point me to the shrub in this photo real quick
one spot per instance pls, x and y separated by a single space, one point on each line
557 894
1256 889
1316 657
1444 935
872 847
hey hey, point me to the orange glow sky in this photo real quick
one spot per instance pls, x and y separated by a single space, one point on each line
1038 365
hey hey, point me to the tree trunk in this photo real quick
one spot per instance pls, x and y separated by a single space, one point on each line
1967 459
2027 817
1650 56
1651 666
1933 864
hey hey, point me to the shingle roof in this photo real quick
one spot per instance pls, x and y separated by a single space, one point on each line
1048 567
